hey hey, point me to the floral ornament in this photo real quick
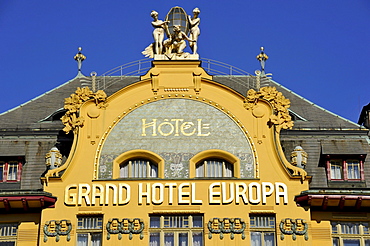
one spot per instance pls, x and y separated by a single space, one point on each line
226 226
125 226
279 103
57 228
293 227
72 104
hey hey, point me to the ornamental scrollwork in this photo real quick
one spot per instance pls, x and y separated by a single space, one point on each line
72 104
230 226
125 226
279 103
56 228
293 227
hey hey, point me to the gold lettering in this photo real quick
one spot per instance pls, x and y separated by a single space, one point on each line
213 194
84 194
224 193
241 193
170 191
185 126
266 191
177 126
144 193
283 193
160 187
96 193
202 126
122 186
183 193
193 193
258 192
145 125
70 198
107 189
166 123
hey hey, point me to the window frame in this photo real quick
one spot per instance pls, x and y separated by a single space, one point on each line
344 163
11 233
6 163
263 230
133 173
361 233
209 163
176 231
83 230
213 154
138 154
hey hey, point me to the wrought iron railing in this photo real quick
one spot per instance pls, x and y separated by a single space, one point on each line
140 67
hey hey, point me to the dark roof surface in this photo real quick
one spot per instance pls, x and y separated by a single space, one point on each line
29 114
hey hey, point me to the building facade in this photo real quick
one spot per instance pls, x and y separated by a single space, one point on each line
179 156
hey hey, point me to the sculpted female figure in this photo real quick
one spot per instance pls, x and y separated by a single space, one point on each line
158 33
194 29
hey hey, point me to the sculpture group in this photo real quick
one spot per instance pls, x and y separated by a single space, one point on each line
175 43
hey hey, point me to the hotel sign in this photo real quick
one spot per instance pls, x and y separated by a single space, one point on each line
172 193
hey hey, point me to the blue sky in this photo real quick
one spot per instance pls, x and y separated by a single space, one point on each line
318 49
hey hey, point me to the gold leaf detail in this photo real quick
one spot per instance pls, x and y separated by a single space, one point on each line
72 104
279 103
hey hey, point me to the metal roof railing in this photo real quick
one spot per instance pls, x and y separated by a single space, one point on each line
140 67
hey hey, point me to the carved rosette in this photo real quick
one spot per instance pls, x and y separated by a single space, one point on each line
72 104
280 117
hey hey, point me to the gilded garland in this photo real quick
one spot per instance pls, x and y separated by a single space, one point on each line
279 103
72 104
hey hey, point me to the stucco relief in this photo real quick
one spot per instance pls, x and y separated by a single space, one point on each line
176 129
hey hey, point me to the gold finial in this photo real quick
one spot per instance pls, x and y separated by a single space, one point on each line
79 57
262 58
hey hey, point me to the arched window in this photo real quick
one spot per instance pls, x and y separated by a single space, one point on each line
215 168
138 168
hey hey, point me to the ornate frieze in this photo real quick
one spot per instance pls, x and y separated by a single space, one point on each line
57 228
125 226
223 226
279 103
293 227
72 104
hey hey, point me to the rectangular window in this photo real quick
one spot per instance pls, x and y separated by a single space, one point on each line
345 170
262 229
336 171
89 231
8 234
353 167
176 230
11 168
350 233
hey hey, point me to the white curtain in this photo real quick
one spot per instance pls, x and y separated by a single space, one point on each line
82 239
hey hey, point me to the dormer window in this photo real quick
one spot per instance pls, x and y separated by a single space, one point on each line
11 169
345 169
139 168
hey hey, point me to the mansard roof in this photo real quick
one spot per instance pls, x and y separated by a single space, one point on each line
40 113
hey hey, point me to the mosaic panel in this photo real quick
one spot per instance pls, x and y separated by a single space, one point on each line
176 129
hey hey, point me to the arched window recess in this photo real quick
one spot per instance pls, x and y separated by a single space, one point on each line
138 164
214 163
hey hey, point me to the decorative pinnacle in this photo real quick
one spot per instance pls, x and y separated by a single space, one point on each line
79 57
262 57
